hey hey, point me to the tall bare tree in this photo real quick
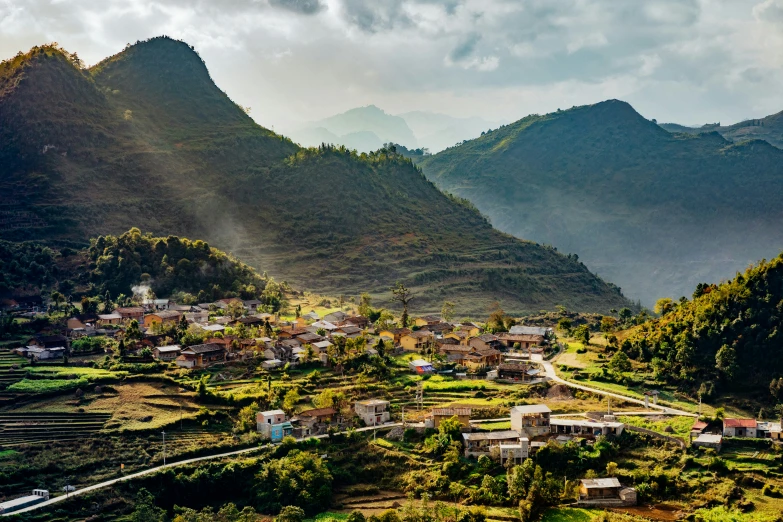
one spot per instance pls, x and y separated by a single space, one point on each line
404 296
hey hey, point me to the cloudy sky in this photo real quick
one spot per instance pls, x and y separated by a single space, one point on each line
292 61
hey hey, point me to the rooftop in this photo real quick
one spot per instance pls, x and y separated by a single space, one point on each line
739 423
528 330
492 435
372 402
601 483
531 408
709 438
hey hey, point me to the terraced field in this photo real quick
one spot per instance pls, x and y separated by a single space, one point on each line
28 428
9 375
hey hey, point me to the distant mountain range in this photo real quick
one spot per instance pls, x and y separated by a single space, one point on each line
769 129
368 128
145 139
653 211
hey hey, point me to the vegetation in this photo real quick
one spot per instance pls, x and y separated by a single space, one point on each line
626 195
151 142
726 337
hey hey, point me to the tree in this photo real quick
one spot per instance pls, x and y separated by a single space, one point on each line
625 314
620 362
290 400
89 305
518 480
108 306
404 296
726 361
611 469
564 324
58 298
291 514
235 309
447 311
133 331
301 479
664 305
365 305
146 510
582 334
776 389
246 418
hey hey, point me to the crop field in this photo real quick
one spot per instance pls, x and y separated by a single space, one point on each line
47 385
28 428
680 426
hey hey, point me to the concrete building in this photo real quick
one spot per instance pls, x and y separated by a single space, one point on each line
373 412
516 452
38 496
708 440
273 425
481 443
531 420
462 414
585 428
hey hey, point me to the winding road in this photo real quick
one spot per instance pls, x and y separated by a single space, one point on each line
55 500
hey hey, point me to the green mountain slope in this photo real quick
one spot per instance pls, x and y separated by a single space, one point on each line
729 334
146 139
769 129
652 211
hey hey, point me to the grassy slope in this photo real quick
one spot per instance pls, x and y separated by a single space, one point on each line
769 128
654 212
146 139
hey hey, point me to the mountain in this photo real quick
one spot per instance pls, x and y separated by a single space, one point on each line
652 211
769 129
364 129
729 335
439 131
145 139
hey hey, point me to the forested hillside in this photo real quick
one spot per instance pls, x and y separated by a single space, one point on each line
727 337
652 211
145 139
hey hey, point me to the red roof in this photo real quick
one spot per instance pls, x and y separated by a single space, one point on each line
699 426
739 423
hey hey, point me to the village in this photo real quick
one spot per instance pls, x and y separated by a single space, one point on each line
237 333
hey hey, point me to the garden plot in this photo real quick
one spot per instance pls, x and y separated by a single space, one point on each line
28 428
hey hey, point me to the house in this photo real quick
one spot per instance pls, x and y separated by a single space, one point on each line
213 328
531 419
530 330
472 328
585 428
372 411
462 336
395 334
707 440
525 341
477 444
49 341
267 317
38 496
769 430
129 313
427 320
324 325
167 353
227 301
252 305
602 492
516 452
462 414
199 316
486 342
516 371
421 366
161 318
416 341
40 353
290 333
350 331
201 355
271 364
250 320
335 317
317 416
107 319
739 428
478 359
321 346
155 304
273 425
356 320
74 323
312 316
309 338
438 328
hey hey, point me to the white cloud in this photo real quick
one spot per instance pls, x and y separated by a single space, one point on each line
298 60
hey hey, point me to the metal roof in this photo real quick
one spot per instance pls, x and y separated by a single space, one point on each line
492 435
601 483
